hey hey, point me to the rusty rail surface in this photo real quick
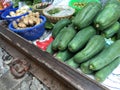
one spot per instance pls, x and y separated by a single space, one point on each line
53 73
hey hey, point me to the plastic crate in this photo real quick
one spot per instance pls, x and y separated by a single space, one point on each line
71 3
9 7
31 33
10 19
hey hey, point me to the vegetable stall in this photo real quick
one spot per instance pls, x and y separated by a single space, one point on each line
84 35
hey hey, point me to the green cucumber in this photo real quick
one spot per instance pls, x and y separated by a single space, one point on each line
105 57
86 15
49 49
119 20
109 32
114 1
84 67
49 25
118 33
59 25
66 38
57 39
93 47
64 55
81 38
103 73
108 16
71 63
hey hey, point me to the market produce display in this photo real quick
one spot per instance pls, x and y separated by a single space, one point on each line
82 36
29 20
84 67
105 57
5 5
72 63
91 49
102 21
80 41
87 15
113 29
67 35
79 4
30 26
42 5
28 2
19 11
39 7
87 49
49 49
55 13
58 11
102 74
64 55
58 38
59 25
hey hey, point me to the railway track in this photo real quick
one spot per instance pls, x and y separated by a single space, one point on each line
54 74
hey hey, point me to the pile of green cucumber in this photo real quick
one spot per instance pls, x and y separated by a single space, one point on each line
80 41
